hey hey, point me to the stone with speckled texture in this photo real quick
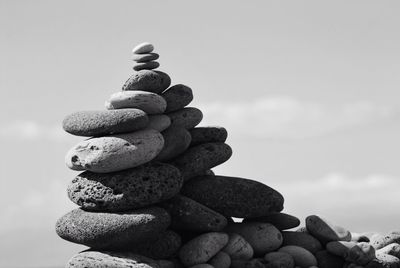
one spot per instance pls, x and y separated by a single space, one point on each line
188 117
177 97
148 102
148 80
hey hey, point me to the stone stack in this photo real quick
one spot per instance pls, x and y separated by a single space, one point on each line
147 196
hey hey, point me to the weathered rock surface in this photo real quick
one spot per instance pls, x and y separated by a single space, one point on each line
148 80
238 247
113 230
233 197
280 220
125 190
208 134
165 246
188 117
301 256
325 231
98 123
303 240
177 97
148 102
176 141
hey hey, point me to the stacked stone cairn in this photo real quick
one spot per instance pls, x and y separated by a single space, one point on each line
148 197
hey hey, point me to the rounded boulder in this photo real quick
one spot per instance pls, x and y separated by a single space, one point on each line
148 80
177 97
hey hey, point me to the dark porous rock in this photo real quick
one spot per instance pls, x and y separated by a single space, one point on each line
328 260
149 65
125 190
187 117
145 57
148 80
98 123
165 246
325 231
176 141
201 157
177 97
107 259
281 221
208 134
116 152
233 197
113 230
303 240
187 214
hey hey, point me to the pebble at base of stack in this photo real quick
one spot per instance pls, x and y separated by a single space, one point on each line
148 198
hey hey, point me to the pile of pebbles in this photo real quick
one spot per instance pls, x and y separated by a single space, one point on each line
147 196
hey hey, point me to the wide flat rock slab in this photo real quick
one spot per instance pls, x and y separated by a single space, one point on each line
234 197
113 230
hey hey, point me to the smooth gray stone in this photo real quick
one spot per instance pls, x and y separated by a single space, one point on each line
201 157
208 134
113 230
143 48
148 102
145 57
325 231
149 65
188 117
177 97
233 197
303 240
328 260
159 122
105 122
282 221
125 190
176 141
148 80
107 259
187 214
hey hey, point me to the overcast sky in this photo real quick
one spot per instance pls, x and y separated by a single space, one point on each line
308 91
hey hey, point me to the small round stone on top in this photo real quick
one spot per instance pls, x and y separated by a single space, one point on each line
143 48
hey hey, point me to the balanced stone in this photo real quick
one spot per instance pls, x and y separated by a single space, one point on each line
303 240
263 237
124 190
187 214
165 246
208 134
280 220
177 97
176 141
148 80
148 102
159 122
145 57
143 48
150 65
113 230
115 153
202 248
187 117
233 197
98 123
325 231
106 259
238 248
201 157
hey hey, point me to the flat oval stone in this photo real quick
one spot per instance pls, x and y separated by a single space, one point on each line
113 230
148 102
202 248
201 157
325 231
98 123
238 248
208 134
159 122
148 80
145 57
220 260
176 141
188 117
280 220
187 214
143 48
301 256
303 240
165 246
263 237
97 259
124 190
328 260
149 65
279 259
115 153
233 197
177 97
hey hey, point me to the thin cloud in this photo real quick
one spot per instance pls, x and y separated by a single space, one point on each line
31 130
289 118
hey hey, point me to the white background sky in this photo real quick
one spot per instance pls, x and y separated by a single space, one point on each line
308 90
